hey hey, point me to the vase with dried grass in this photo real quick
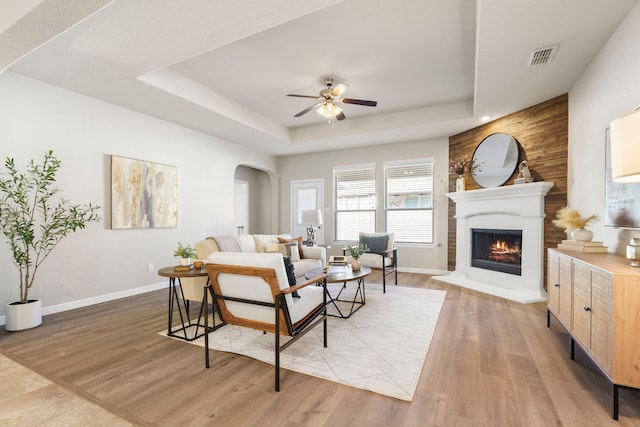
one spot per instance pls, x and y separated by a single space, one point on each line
574 224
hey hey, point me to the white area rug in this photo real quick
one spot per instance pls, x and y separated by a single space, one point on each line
381 348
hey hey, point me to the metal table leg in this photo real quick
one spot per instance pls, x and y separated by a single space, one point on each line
174 300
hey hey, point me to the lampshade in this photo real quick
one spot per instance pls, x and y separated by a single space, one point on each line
313 217
329 109
625 148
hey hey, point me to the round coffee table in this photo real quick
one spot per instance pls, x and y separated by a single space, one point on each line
344 275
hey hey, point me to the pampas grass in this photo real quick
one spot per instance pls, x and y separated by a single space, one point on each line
570 219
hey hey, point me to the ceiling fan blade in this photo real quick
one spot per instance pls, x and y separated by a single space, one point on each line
360 102
339 90
303 96
306 110
341 116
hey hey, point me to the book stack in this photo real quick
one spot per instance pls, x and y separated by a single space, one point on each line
183 267
576 246
338 260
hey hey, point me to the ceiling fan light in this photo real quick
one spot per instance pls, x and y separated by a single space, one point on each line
329 109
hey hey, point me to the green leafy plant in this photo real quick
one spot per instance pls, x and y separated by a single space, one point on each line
357 250
33 219
184 251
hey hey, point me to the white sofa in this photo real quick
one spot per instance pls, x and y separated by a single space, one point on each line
312 257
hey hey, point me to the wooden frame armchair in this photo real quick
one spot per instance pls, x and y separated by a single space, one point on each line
252 290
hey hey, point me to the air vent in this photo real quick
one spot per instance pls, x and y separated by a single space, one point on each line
542 56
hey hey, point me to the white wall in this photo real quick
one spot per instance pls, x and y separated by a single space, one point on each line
608 88
98 263
412 258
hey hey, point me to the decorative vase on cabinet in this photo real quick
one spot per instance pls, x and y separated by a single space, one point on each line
461 185
582 235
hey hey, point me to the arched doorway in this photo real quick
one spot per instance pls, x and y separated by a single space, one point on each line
253 201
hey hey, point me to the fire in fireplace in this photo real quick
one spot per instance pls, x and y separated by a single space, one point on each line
497 250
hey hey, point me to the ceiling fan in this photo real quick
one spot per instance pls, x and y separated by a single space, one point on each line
328 100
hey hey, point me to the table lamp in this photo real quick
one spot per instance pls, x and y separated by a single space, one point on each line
625 148
625 162
313 218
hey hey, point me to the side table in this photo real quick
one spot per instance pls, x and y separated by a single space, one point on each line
174 301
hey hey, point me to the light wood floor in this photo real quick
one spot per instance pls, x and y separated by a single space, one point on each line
492 362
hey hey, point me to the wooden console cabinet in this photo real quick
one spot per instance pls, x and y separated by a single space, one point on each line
596 298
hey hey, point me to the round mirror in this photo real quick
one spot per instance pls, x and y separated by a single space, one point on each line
495 159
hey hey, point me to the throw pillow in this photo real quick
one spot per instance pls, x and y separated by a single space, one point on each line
297 239
247 243
275 248
376 244
291 250
291 276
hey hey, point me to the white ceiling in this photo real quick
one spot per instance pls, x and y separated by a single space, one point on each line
223 67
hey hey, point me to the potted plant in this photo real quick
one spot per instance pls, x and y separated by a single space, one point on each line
34 220
574 224
356 252
185 253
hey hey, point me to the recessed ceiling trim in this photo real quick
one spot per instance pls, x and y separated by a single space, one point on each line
178 85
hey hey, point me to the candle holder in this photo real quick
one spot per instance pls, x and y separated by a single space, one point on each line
633 251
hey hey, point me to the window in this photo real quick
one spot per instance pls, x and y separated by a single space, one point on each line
355 201
409 200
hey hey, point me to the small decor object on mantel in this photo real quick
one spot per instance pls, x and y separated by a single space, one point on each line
459 168
571 221
524 176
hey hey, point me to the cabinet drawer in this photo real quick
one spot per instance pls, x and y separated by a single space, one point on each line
582 303
602 320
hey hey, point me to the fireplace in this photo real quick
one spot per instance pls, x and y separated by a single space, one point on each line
513 216
497 250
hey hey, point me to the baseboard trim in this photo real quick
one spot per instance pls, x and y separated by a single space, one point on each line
97 299
422 270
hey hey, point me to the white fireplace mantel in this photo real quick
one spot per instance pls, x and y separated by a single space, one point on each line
517 207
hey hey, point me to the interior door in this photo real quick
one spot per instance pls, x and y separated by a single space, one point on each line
306 194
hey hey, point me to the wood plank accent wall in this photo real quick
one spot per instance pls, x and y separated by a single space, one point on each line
543 134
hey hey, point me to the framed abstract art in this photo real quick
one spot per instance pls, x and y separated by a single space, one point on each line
143 194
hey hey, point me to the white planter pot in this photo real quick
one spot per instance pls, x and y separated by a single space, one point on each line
23 316
185 261
582 235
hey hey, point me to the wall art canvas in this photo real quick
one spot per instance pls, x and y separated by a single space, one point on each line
143 194
622 199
